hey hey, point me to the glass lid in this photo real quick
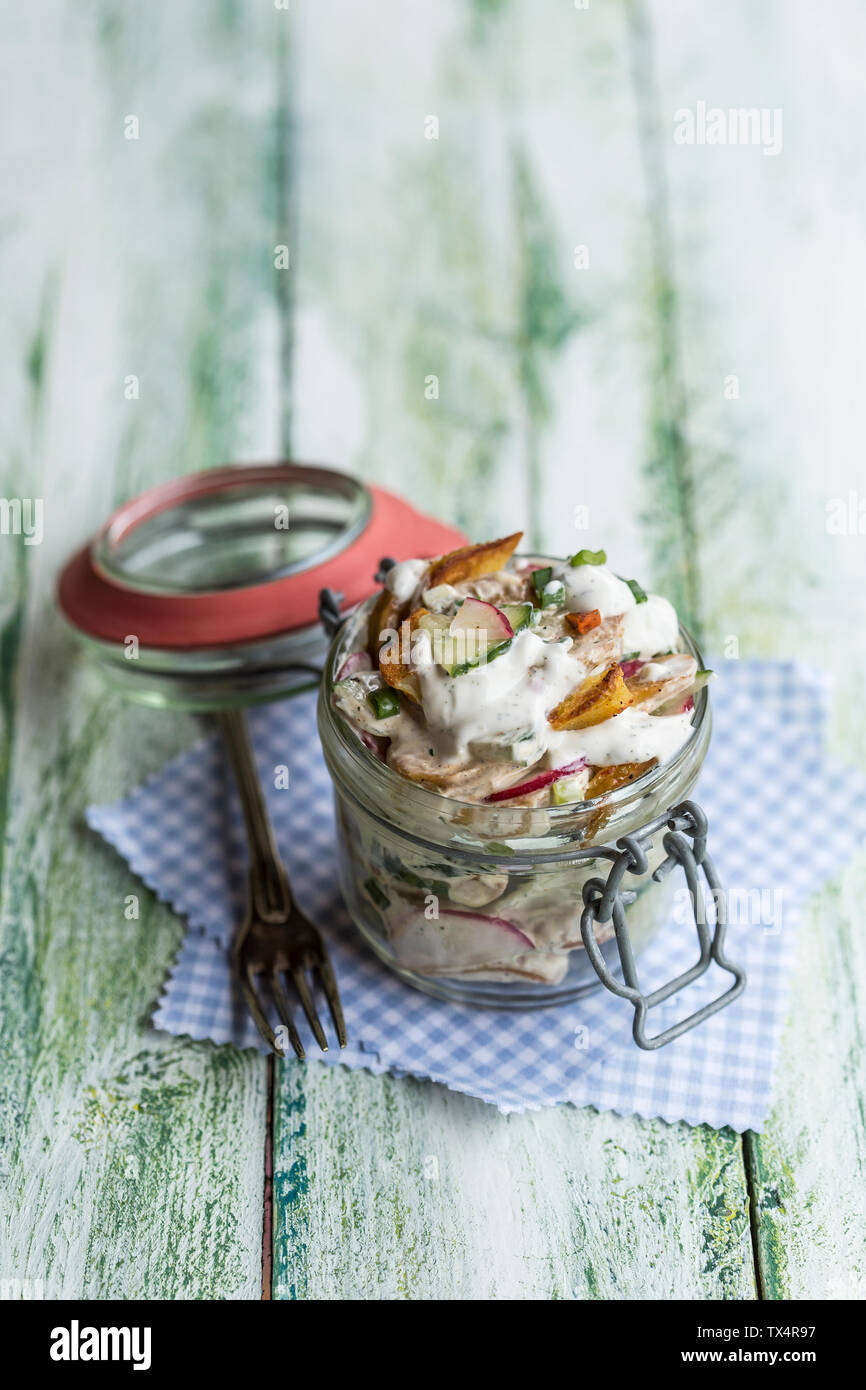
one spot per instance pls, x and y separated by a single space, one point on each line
239 527
203 592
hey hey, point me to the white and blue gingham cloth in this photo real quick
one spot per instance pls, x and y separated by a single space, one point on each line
773 835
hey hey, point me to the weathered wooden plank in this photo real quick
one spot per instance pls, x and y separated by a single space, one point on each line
132 1162
770 279
389 1189
807 1168
454 258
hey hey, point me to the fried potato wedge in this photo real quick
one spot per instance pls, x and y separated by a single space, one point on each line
386 613
597 698
678 680
395 671
607 779
472 561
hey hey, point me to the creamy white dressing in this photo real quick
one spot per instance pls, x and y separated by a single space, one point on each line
654 671
651 627
648 628
512 692
504 703
594 586
631 737
403 579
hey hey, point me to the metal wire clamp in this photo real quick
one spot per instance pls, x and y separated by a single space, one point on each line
603 902
330 599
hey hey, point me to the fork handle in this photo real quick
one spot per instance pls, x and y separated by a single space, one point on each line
269 884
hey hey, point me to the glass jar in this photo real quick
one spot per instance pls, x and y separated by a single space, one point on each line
482 904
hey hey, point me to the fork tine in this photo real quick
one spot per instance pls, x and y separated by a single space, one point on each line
253 1004
300 982
332 994
282 1001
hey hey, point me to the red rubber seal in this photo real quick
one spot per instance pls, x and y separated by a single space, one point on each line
108 611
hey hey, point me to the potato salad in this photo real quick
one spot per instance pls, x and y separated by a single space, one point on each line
530 683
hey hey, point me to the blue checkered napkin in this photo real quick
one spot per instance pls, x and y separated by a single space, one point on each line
768 835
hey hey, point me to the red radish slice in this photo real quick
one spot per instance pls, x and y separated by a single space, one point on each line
542 779
358 661
375 745
473 615
456 940
630 668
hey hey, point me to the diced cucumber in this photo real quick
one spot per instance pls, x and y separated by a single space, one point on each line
450 650
518 614
443 645
440 597
520 746
569 789
459 668
434 623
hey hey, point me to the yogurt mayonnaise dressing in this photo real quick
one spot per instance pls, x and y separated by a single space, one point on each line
516 691
403 579
512 693
649 627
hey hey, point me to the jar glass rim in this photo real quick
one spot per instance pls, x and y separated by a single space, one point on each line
163 519
427 800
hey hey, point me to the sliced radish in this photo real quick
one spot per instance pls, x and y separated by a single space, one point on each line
542 779
375 745
630 668
456 940
474 615
358 661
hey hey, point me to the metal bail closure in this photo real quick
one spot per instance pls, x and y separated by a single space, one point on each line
604 902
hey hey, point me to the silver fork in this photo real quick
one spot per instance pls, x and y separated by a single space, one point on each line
276 939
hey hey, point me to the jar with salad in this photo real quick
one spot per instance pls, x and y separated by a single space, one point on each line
487 720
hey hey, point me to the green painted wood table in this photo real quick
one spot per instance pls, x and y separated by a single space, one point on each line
463 250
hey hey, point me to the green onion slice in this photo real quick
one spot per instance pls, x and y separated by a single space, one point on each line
639 595
383 703
588 557
541 577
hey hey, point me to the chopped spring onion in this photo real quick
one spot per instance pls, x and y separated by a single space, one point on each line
541 577
383 703
553 594
588 557
639 595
